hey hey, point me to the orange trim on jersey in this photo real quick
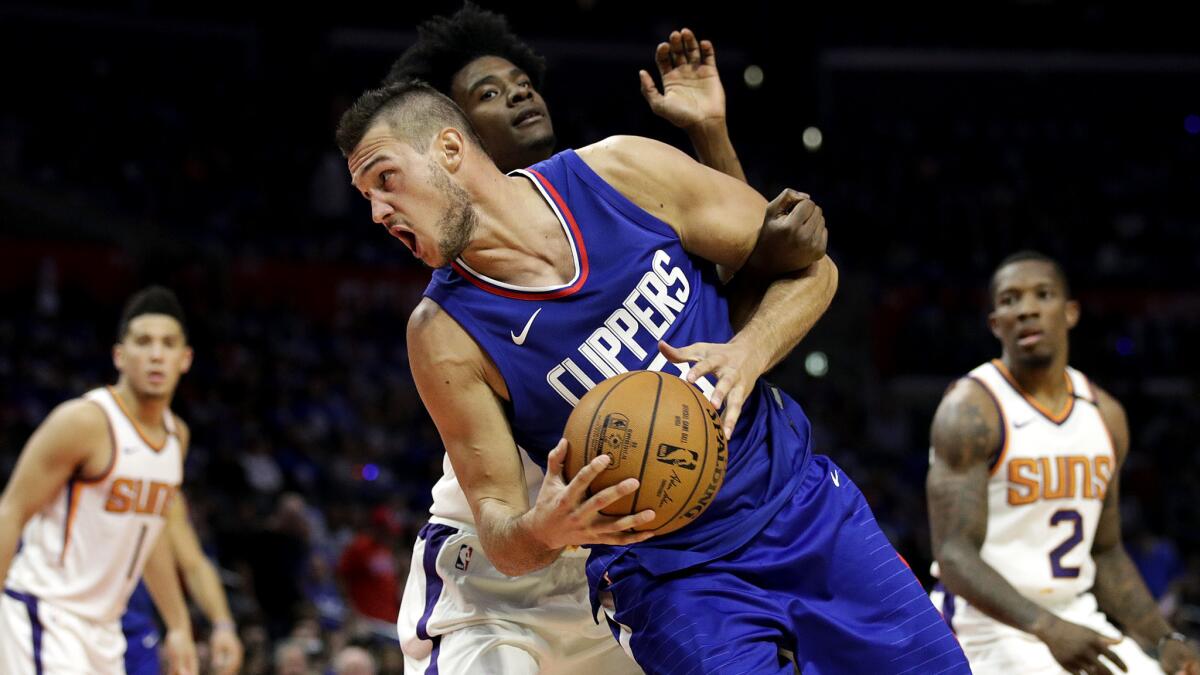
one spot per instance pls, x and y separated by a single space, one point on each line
112 458
1004 435
137 427
73 487
534 295
1057 418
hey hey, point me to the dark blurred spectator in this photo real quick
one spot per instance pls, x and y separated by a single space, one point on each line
353 661
367 569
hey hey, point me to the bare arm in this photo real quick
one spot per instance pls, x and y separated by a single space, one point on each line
966 435
788 310
198 573
1119 588
163 584
463 390
73 438
202 581
693 99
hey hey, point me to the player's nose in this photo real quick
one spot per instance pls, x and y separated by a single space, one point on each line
380 211
519 94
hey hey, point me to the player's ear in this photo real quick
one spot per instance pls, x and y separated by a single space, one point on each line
450 147
993 325
118 357
1072 313
186 364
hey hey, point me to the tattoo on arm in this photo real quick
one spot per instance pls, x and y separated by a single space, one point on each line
966 435
1119 588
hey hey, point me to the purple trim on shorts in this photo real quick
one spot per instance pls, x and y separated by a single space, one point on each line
434 536
433 656
31 605
947 605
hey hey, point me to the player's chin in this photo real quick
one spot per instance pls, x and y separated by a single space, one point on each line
156 389
1036 356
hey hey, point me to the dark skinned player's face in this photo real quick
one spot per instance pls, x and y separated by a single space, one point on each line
1032 314
507 112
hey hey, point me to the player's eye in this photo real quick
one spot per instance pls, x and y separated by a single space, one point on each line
488 94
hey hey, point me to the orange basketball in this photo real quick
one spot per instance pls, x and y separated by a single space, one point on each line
656 428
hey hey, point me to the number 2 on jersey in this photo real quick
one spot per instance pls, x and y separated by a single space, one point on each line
1056 556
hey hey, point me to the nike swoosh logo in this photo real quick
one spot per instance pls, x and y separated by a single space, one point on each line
836 480
1023 423
520 339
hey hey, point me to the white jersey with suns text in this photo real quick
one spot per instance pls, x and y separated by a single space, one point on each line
1047 487
85 550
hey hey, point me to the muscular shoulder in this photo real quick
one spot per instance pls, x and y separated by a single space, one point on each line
434 334
1113 414
438 344
617 154
78 420
967 427
72 432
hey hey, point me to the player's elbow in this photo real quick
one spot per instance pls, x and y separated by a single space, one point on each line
510 567
828 271
955 557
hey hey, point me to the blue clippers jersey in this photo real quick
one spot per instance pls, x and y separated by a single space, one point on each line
139 616
634 284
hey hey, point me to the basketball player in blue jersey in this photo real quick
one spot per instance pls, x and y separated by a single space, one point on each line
200 577
452 604
87 501
1024 501
602 258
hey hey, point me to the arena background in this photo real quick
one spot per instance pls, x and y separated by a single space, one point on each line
193 146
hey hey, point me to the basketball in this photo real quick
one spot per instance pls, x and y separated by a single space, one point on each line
656 428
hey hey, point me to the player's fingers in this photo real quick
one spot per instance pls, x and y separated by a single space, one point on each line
625 523
677 55
802 210
701 368
692 352
186 665
555 461
609 496
708 53
578 486
649 90
733 410
719 392
691 47
784 202
662 57
1116 660
624 538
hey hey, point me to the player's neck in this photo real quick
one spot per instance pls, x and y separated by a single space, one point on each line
1047 384
518 239
148 412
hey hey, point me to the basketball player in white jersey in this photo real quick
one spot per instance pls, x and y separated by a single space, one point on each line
1024 502
455 601
87 501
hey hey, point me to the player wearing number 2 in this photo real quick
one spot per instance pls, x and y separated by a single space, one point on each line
1023 501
